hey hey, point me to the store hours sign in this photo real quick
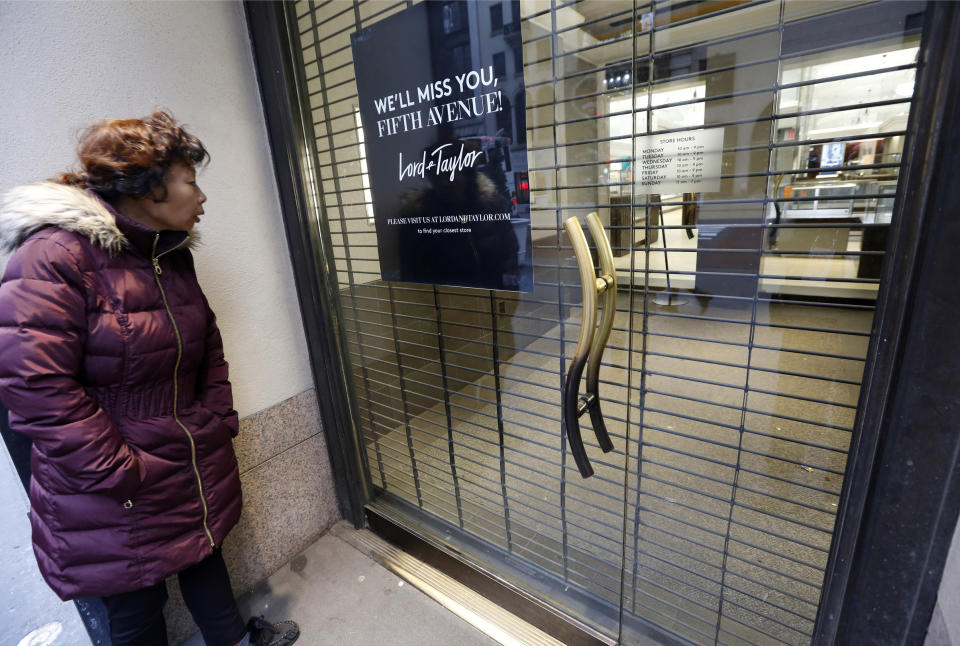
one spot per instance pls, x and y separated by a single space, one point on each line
677 162
441 103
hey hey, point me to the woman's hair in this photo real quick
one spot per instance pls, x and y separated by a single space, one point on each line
131 156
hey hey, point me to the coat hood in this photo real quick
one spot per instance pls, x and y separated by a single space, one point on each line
29 208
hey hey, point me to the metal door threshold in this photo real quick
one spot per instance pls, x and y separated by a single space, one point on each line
503 578
471 606
485 569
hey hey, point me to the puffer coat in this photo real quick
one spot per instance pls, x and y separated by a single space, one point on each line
112 363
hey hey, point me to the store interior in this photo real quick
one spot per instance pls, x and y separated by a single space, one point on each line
831 195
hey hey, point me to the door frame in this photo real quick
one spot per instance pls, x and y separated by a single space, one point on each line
292 144
901 498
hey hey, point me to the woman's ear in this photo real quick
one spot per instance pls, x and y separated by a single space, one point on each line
157 194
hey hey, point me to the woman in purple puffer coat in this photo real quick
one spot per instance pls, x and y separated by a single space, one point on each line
112 363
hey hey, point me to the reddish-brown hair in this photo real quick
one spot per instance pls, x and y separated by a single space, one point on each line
131 156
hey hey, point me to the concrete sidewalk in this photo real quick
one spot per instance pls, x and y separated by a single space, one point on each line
30 613
339 595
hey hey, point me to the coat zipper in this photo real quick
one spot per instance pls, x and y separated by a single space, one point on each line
176 371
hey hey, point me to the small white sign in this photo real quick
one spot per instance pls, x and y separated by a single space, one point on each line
679 162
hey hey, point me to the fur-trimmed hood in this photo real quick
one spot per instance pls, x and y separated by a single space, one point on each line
26 209
29 208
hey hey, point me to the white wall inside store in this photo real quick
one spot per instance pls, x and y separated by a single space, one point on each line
65 65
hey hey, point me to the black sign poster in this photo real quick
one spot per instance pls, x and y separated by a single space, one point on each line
441 101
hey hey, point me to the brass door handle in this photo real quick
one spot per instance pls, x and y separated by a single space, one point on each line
592 340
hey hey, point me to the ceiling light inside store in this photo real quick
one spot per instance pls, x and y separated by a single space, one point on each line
868 63
852 126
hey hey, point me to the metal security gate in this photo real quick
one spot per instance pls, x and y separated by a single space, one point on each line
731 380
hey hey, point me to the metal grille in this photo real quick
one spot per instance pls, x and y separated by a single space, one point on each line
731 380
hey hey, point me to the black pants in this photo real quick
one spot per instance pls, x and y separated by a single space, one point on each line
136 618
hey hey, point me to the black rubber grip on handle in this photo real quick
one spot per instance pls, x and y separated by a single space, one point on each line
596 417
571 416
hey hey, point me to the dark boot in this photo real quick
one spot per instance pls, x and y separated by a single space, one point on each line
264 633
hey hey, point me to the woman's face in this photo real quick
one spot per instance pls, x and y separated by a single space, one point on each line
184 204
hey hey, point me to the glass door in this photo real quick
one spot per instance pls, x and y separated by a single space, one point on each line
749 367
743 158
